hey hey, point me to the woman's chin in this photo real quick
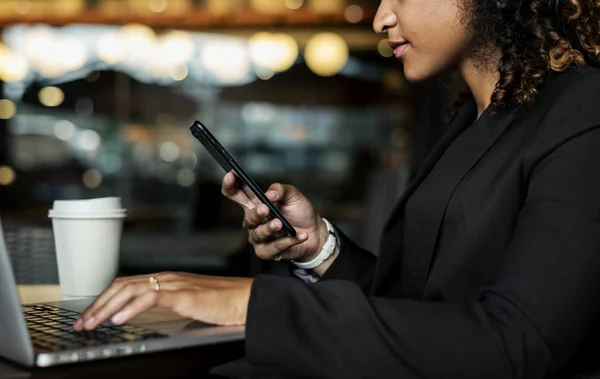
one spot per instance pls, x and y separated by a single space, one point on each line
416 75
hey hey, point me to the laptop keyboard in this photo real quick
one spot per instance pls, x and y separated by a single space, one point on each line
52 328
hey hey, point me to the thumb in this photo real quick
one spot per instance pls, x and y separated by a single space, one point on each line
283 194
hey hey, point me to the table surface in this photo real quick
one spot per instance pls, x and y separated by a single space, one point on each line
39 293
192 362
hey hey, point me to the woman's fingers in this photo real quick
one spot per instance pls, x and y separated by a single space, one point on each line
254 216
135 307
274 249
101 300
266 232
231 190
128 292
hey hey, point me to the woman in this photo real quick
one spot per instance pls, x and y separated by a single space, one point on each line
490 261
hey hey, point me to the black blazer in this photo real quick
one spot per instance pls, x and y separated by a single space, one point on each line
494 273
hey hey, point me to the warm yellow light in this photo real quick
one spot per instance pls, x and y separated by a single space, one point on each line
294 4
327 6
51 96
22 7
13 67
269 6
112 7
326 54
8 109
354 14
157 69
277 52
7 175
157 6
179 73
219 6
92 178
140 41
264 73
51 55
65 7
227 60
384 48
147 7
176 48
111 48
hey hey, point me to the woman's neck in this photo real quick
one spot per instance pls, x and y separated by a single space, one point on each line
481 81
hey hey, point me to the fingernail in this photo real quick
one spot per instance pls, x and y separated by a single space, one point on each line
89 323
302 236
77 324
260 211
272 194
118 318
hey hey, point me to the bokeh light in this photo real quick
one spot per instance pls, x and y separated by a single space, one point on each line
227 60
64 130
51 96
7 175
92 178
275 51
354 14
13 67
384 48
294 4
326 54
8 109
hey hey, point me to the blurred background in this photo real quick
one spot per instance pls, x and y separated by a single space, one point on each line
98 95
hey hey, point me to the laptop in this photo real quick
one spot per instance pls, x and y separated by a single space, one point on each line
41 334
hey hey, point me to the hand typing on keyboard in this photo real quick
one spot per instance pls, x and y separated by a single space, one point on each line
214 300
50 328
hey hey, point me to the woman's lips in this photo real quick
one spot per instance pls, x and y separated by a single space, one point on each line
399 50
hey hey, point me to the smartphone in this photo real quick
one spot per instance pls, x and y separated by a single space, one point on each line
244 181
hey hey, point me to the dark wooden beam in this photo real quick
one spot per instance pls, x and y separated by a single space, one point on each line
195 19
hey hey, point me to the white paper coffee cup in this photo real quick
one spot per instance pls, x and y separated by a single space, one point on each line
87 242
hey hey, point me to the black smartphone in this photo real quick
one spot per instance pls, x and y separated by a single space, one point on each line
244 181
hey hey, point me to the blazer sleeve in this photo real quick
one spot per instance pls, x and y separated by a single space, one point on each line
526 324
353 263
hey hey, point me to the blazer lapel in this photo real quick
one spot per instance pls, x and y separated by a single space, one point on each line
417 264
442 187
389 250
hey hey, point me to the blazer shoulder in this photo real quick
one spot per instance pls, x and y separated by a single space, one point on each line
572 101
574 93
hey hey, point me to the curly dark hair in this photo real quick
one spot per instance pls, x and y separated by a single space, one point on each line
534 37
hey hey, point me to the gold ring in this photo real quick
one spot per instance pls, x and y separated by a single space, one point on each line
154 283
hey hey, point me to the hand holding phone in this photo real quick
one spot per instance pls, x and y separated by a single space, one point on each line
244 181
267 243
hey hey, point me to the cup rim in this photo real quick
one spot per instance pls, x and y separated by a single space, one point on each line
86 212
87 216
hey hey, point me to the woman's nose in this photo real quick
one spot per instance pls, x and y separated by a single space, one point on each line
385 18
